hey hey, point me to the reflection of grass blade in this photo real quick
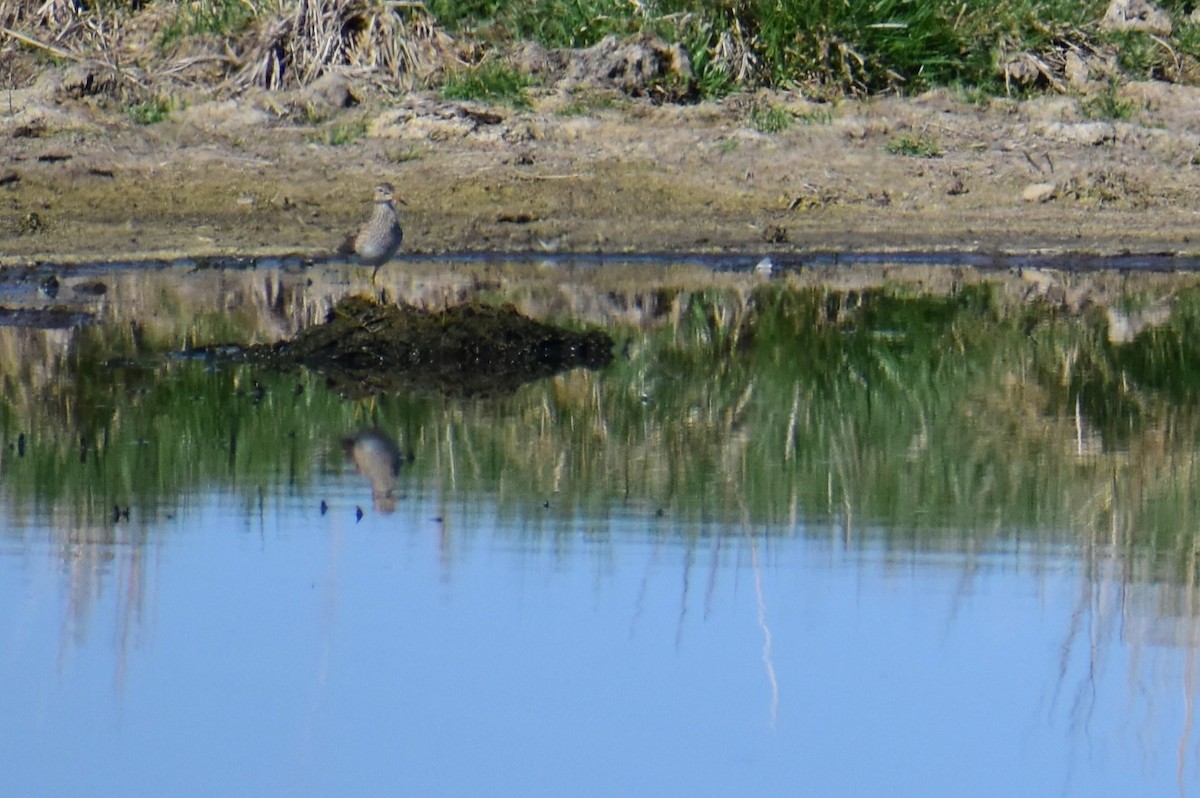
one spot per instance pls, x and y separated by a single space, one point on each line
768 655
912 415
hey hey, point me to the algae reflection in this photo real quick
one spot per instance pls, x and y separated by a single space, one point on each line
966 420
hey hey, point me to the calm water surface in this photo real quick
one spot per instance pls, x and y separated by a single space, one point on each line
273 651
611 583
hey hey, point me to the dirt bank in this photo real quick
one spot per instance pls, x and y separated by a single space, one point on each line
598 173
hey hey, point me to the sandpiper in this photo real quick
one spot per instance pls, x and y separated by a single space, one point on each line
380 236
377 457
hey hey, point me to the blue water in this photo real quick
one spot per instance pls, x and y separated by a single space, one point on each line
243 648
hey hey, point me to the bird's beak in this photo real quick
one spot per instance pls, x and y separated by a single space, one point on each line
400 200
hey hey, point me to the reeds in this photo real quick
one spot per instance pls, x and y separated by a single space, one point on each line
390 41
232 44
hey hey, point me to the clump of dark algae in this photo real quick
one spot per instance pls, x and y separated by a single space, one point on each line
366 348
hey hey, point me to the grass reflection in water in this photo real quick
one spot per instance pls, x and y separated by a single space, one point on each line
965 420
975 422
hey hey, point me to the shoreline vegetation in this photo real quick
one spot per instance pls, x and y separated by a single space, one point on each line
156 130
480 48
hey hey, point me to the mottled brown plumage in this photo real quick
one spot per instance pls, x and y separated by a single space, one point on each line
380 236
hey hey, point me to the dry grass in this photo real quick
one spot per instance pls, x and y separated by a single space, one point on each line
277 44
395 43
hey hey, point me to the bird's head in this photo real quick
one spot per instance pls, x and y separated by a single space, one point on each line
385 193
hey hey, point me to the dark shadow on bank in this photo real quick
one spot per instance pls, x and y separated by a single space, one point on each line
366 348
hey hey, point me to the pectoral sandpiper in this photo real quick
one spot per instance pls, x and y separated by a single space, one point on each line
377 457
379 237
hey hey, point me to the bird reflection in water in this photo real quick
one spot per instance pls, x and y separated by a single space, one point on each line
377 457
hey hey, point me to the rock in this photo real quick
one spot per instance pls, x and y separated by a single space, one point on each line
75 82
1076 70
1091 134
636 66
328 93
1023 71
1136 15
221 114
1038 192
434 121
1172 101
531 58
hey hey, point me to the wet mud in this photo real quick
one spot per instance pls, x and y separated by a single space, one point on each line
222 179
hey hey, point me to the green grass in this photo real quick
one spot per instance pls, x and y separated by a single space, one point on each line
489 81
311 115
1108 104
221 18
822 116
915 146
862 46
152 111
1140 55
769 118
345 132
831 47
554 23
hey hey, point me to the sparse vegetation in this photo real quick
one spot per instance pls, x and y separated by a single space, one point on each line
151 111
220 18
918 145
726 146
405 155
312 115
583 103
489 81
347 132
821 116
1108 104
768 118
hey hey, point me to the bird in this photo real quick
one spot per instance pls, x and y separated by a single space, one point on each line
376 456
380 236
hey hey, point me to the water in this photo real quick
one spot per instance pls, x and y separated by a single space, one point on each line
691 573
273 651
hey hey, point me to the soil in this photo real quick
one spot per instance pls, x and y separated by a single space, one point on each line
595 172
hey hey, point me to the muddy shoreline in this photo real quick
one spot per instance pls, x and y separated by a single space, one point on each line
79 183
